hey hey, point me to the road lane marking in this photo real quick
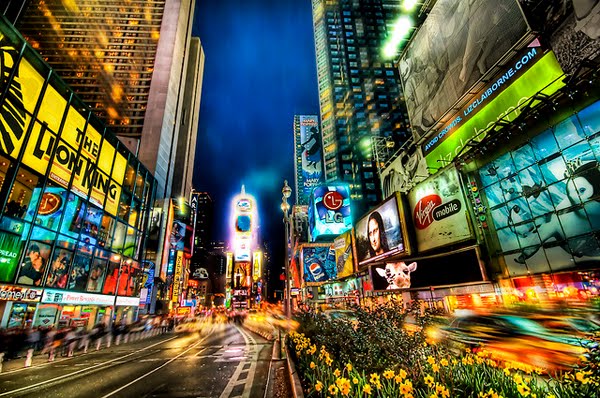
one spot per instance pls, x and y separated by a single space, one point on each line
152 371
41 383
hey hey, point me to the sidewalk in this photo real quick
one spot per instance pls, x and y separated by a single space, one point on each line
39 359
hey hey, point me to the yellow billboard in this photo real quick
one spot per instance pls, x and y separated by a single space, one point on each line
257 258
177 276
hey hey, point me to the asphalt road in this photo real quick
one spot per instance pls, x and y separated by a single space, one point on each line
223 361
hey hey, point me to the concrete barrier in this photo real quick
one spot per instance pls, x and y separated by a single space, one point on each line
294 378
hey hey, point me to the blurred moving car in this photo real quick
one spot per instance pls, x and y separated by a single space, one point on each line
516 339
569 325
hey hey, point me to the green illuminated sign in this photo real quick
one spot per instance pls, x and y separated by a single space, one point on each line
506 105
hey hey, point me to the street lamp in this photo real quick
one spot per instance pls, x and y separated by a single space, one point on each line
286 191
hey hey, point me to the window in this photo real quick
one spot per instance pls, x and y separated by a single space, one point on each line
22 198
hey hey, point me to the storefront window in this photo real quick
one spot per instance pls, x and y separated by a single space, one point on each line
10 251
66 242
112 275
4 165
129 180
80 270
106 231
134 215
91 225
58 274
118 241
98 272
33 266
139 185
136 280
124 205
20 198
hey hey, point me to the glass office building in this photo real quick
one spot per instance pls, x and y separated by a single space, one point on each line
74 200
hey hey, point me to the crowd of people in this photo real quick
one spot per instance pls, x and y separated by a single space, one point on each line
66 341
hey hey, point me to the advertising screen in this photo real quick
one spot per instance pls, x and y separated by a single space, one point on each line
403 173
10 251
242 247
454 48
37 255
257 259
454 268
52 205
381 233
330 213
543 197
318 263
344 254
312 156
439 211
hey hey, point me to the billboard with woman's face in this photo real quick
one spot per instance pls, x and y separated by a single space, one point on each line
381 233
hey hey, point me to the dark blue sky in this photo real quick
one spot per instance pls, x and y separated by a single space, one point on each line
260 70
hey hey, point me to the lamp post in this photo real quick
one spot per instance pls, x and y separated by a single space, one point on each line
286 191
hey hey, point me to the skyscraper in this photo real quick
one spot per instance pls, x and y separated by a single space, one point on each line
360 96
308 165
126 60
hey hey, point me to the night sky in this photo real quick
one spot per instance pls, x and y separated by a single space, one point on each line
259 72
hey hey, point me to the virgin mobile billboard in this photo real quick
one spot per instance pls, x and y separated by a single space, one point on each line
382 232
439 211
459 42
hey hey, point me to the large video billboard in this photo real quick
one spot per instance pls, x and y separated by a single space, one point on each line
312 156
381 233
329 211
543 197
439 211
454 48
318 262
403 173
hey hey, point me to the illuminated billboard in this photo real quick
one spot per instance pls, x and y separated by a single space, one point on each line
543 197
318 262
257 258
382 232
541 76
229 265
63 139
344 254
403 173
439 211
242 248
456 46
10 251
310 164
329 211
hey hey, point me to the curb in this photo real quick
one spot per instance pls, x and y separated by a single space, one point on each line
294 378
266 335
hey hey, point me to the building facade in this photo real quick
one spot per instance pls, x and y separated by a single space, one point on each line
360 94
75 202
129 62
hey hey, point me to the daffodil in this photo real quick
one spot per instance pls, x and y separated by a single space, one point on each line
430 360
428 380
444 362
337 372
374 378
319 386
367 389
312 365
524 390
333 390
435 368
389 374
406 387
349 367
580 377
355 380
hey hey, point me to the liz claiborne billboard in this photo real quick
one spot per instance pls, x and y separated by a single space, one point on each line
311 156
459 42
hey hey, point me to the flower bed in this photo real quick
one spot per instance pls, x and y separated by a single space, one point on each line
390 361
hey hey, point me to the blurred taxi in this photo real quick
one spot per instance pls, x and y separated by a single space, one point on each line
516 339
569 325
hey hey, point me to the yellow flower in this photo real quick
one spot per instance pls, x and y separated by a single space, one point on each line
444 362
319 386
580 376
389 374
431 360
406 387
442 390
374 378
312 365
402 373
434 395
367 389
337 373
428 380
551 396
524 390
329 361
454 361
518 379
333 390
349 367
507 371
355 380
435 368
